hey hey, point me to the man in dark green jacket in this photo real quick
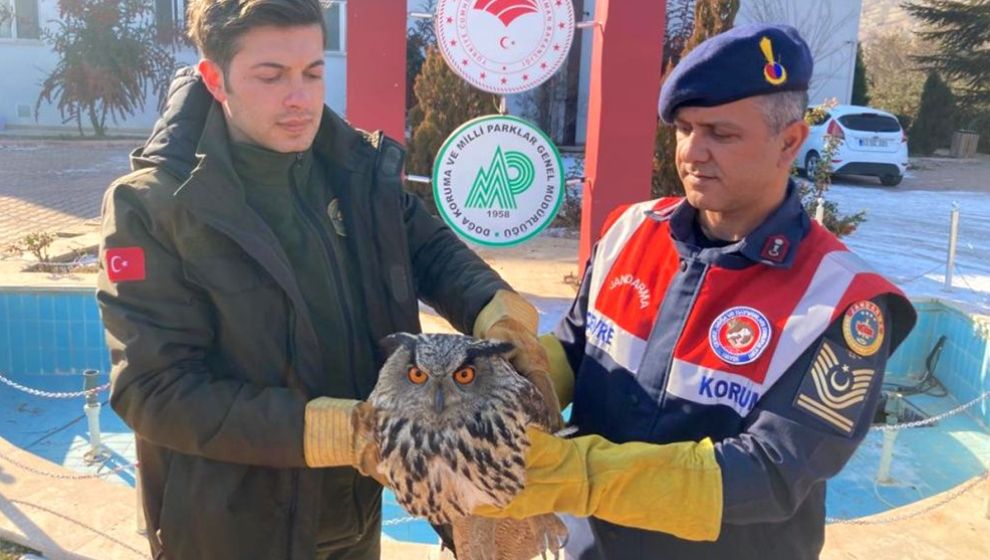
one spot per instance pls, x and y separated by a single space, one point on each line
249 264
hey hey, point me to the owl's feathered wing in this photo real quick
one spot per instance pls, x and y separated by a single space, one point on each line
482 538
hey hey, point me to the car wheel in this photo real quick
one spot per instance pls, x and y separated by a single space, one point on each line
811 162
891 180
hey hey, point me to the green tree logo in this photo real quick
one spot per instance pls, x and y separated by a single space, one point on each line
496 186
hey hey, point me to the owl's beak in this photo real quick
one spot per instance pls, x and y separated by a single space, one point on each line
438 400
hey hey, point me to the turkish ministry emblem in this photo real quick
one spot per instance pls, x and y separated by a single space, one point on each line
739 335
498 180
125 264
862 328
504 46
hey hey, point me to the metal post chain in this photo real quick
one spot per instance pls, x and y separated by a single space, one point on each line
113 471
949 496
398 521
931 419
919 276
53 394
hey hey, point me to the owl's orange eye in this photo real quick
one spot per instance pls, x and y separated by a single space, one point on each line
464 375
416 375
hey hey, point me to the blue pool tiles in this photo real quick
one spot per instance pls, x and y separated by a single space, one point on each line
964 366
50 332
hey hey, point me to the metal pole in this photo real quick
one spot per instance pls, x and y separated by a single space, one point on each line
503 105
419 179
987 515
92 410
887 454
140 521
950 263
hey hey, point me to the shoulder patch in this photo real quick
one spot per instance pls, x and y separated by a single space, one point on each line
863 328
125 264
836 385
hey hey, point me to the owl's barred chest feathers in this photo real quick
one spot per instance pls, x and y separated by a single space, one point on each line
451 418
444 474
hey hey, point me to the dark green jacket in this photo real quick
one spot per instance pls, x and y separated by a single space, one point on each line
214 353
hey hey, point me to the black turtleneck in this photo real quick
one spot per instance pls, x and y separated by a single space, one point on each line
291 194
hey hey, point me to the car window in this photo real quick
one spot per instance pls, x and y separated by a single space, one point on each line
870 122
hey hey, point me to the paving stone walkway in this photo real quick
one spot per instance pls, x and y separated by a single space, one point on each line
55 186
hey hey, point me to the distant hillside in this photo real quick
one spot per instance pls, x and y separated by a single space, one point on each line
882 16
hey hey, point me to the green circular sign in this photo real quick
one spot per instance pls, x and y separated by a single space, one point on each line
498 180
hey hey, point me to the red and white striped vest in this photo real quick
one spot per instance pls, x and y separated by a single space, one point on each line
745 328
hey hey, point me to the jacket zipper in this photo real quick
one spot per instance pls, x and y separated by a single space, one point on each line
680 329
294 486
330 260
292 512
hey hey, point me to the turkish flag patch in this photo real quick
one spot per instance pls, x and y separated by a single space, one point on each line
125 264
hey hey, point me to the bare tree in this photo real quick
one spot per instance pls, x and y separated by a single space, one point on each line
818 23
680 25
6 12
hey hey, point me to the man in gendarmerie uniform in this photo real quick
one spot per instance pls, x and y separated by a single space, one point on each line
725 354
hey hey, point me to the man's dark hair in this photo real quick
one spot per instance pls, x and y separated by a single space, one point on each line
215 26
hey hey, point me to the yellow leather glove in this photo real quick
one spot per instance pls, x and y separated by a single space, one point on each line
511 318
561 374
338 433
675 488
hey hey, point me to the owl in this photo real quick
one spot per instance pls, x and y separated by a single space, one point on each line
450 423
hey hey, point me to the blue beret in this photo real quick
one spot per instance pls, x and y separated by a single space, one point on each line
748 60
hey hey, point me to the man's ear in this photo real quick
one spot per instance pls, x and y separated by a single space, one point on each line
213 78
793 137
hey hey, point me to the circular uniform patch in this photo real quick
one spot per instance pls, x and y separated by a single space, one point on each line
504 46
498 180
862 328
739 335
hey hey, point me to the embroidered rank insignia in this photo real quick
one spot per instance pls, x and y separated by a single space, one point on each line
775 248
739 335
862 328
836 387
336 217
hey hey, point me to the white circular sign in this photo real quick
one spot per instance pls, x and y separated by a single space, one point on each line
505 46
498 180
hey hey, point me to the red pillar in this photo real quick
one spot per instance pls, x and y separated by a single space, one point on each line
376 66
622 110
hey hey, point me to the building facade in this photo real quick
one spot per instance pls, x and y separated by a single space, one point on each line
830 27
26 60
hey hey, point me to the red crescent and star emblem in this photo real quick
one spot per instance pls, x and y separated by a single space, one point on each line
124 264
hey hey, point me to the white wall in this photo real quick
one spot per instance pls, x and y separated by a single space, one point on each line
830 27
24 64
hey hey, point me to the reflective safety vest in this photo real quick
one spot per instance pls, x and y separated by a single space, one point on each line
744 327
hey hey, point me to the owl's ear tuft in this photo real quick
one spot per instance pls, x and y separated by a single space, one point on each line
486 348
394 341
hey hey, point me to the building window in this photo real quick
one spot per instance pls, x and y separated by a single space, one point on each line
333 16
19 19
170 19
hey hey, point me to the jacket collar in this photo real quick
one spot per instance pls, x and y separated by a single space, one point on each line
773 243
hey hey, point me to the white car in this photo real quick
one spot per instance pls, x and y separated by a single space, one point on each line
872 142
